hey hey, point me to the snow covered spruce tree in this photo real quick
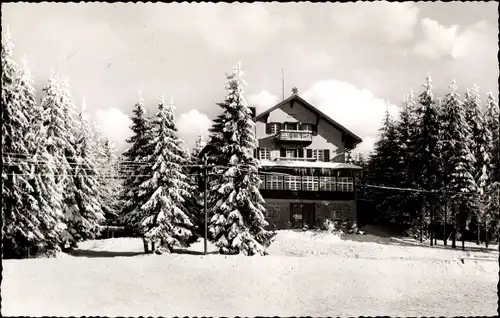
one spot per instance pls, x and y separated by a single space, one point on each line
196 201
425 149
481 138
382 170
236 216
85 223
26 228
109 180
46 192
135 167
61 128
406 130
459 161
492 192
165 217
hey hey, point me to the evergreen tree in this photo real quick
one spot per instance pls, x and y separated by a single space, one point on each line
236 222
85 223
136 160
197 148
110 181
61 127
382 169
20 208
42 180
165 216
492 191
196 201
481 138
458 160
406 132
425 150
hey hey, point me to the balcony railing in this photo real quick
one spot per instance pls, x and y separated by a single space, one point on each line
294 135
306 183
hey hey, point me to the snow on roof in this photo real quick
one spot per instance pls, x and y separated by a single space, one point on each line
308 164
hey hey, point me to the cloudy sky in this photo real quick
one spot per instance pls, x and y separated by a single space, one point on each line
350 60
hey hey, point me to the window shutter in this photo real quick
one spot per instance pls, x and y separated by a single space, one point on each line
255 153
281 126
257 150
268 128
301 153
315 130
326 155
309 153
282 152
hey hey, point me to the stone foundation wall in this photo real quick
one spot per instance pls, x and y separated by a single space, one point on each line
278 211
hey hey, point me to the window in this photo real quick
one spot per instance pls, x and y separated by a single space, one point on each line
345 184
336 214
291 153
292 183
307 127
262 184
274 182
275 128
327 184
264 154
318 154
310 183
291 126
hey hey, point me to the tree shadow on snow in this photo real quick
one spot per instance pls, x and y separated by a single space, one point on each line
102 254
405 241
189 252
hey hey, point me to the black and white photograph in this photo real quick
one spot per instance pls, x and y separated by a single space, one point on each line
250 159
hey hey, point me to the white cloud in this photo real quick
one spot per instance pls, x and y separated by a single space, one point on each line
356 109
115 125
191 124
439 40
228 28
262 100
310 59
380 21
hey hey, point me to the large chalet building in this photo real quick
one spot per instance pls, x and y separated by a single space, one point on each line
302 165
301 153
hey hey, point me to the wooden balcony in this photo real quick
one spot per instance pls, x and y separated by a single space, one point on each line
308 195
294 136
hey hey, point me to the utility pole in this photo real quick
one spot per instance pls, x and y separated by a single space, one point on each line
205 203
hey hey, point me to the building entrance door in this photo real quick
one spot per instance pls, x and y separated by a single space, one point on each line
302 214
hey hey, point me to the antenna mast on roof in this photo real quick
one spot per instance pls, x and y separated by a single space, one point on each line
282 84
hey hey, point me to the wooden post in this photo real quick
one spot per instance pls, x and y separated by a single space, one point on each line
205 205
445 241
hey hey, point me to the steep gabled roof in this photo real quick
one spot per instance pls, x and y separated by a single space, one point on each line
352 139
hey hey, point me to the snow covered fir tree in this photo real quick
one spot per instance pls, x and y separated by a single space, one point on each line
236 216
164 216
48 197
448 154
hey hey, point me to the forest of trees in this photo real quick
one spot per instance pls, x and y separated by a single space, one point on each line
62 182
435 170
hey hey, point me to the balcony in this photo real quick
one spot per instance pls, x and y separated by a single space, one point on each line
294 136
307 187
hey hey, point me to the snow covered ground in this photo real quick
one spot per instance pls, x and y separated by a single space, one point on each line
307 273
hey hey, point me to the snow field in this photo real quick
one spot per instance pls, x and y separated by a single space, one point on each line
327 281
